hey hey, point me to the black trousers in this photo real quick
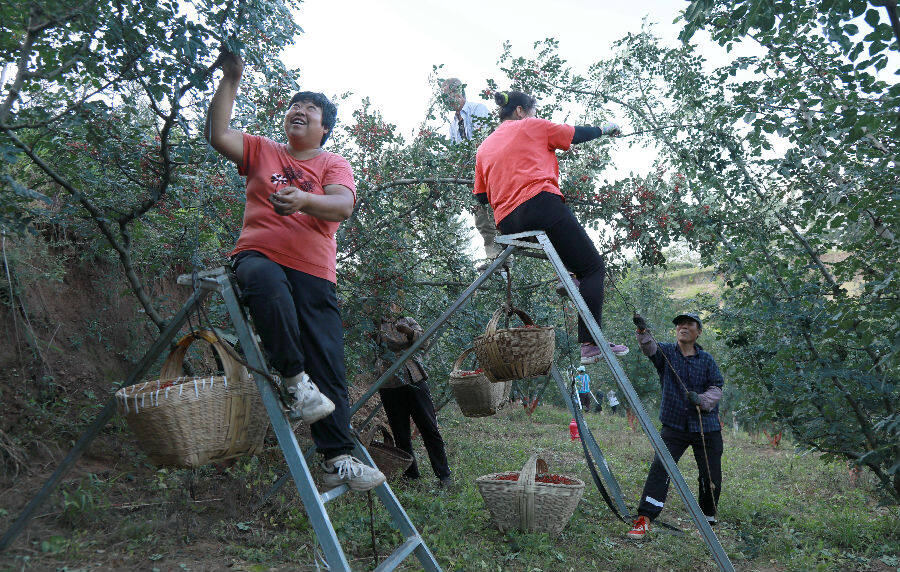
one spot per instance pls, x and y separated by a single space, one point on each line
401 403
297 317
547 212
657 486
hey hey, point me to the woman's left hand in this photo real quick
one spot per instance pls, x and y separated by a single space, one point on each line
288 200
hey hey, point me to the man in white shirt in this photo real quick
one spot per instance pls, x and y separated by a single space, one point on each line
469 122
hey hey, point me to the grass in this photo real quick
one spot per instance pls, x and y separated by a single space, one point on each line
780 510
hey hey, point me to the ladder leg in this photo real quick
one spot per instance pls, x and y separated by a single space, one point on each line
398 515
312 502
611 483
706 531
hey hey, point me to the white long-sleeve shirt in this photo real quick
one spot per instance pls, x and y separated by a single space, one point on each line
470 110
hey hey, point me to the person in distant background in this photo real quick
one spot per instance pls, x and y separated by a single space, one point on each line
583 384
613 400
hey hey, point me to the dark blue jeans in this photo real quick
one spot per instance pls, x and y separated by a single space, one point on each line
297 317
547 212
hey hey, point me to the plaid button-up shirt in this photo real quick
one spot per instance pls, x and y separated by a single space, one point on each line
699 372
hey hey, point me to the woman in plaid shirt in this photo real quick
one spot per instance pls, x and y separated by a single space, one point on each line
689 411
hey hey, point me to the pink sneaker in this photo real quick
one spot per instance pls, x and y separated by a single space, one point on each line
591 353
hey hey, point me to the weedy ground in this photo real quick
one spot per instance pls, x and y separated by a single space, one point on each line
780 510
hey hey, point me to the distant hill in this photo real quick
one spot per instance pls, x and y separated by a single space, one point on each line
687 282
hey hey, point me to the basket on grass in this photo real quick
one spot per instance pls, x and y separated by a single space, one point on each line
476 396
390 459
192 421
532 499
515 353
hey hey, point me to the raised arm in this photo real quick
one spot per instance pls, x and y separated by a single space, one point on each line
223 139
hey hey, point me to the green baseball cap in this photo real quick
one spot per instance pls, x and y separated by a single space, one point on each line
689 316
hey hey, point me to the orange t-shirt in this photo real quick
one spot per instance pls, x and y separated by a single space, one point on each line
517 161
298 241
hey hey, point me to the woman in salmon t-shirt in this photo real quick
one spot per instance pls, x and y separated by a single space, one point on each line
297 195
517 173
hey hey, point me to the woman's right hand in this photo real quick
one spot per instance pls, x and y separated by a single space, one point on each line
232 65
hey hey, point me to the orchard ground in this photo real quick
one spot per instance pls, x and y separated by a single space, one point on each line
780 510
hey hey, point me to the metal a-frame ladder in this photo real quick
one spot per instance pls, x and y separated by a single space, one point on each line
526 244
219 281
538 240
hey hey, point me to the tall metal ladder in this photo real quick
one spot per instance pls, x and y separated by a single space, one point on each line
219 281
532 241
526 243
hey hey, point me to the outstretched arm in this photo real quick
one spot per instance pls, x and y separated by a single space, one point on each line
584 133
223 139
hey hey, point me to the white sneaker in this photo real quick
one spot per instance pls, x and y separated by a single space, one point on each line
350 471
307 402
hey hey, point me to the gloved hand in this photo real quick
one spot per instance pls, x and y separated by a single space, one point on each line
640 322
610 128
694 398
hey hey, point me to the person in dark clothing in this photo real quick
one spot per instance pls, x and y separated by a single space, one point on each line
689 411
408 395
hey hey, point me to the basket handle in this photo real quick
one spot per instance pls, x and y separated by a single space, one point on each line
459 361
533 466
386 436
508 311
173 367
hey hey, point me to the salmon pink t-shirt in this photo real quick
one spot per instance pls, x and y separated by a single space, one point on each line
517 161
298 241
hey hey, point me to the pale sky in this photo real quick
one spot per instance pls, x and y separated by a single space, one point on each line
386 49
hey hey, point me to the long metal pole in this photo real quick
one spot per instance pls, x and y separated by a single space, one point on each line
611 483
299 470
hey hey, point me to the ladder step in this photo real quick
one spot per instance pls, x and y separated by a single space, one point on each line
400 554
540 255
334 493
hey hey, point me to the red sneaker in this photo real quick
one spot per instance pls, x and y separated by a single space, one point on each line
640 529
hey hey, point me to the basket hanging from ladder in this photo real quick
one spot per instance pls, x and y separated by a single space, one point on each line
191 421
515 353
476 396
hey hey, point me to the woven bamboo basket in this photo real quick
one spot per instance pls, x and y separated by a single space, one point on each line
192 421
390 459
515 353
525 504
476 396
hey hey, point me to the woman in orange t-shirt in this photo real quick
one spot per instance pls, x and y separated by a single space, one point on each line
517 173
